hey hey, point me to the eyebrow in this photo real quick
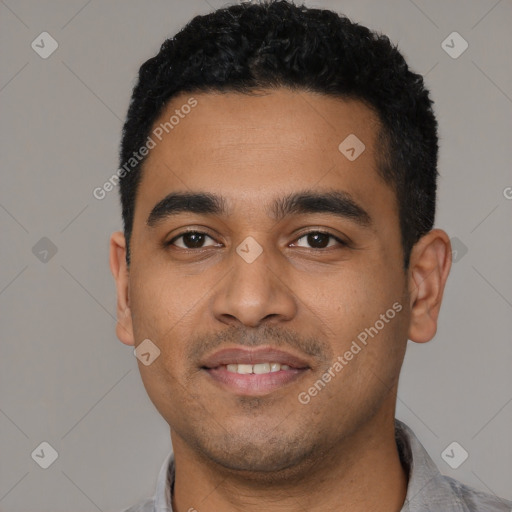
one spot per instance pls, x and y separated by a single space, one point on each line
338 203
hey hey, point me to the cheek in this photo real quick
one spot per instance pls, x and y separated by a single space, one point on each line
158 299
347 298
361 305
163 313
367 350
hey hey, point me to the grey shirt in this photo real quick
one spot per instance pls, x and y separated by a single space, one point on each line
427 491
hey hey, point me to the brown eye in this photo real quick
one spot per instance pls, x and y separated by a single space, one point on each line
191 240
319 239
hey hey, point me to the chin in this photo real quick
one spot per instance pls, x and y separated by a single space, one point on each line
260 455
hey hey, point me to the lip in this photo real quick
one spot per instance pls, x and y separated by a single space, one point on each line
255 356
253 384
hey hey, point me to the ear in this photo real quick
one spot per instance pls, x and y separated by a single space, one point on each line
124 326
430 263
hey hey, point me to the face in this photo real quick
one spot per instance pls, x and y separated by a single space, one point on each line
317 288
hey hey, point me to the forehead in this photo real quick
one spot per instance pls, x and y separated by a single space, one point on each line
253 149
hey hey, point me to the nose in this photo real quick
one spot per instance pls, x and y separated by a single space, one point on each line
254 293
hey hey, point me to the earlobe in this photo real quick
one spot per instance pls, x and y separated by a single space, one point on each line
431 259
124 326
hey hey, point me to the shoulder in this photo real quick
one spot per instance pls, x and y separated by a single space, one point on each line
428 489
147 505
476 500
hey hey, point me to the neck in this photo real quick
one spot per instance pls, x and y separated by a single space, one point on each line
361 473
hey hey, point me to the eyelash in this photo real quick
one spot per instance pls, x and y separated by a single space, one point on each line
302 235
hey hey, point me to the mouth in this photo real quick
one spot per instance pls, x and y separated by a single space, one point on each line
254 372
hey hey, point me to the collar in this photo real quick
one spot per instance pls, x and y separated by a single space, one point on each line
163 485
427 488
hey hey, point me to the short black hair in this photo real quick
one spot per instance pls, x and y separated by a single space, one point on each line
248 47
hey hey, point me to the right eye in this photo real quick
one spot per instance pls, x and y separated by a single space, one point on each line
191 240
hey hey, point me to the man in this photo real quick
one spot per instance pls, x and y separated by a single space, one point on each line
278 183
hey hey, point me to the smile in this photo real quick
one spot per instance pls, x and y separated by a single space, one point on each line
258 369
253 372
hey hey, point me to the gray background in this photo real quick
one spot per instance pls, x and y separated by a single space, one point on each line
67 380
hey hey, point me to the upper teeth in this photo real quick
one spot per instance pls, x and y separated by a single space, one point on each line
256 368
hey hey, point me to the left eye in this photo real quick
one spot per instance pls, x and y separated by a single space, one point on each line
319 239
